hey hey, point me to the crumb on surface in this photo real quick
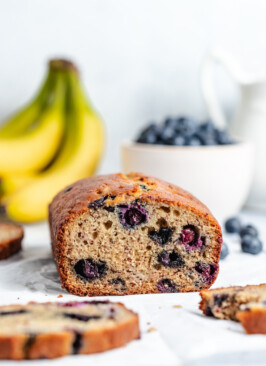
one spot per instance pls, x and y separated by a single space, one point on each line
148 323
177 306
59 296
152 329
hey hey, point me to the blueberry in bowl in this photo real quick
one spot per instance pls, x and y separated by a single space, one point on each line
199 157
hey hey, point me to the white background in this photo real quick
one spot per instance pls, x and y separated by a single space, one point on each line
140 59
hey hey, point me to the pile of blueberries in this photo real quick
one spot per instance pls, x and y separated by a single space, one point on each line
184 131
249 236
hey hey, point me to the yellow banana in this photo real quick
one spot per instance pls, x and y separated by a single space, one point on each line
34 150
22 120
78 158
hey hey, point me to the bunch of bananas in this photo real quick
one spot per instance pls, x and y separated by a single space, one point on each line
57 139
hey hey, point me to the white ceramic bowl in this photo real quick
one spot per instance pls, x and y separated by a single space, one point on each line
220 176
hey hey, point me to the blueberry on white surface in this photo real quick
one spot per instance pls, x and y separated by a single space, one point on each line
249 230
224 251
233 225
251 244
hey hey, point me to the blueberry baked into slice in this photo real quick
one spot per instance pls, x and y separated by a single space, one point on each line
50 330
132 234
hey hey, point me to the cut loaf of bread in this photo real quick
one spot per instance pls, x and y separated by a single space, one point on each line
132 234
11 236
245 304
50 330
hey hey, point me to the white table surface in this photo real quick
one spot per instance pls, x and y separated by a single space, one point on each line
182 336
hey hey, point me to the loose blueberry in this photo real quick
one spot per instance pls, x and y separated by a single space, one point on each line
81 317
89 269
190 238
249 230
170 259
167 285
251 244
132 215
98 203
207 271
233 225
171 122
163 236
224 251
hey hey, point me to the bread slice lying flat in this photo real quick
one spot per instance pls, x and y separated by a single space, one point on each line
49 330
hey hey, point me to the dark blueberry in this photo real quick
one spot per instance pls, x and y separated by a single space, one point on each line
13 312
171 122
166 285
171 259
208 311
163 236
132 215
167 135
109 208
149 135
224 251
81 317
193 141
29 342
251 244
190 238
98 203
77 344
68 189
178 140
89 269
219 299
112 196
208 128
223 138
118 281
207 271
233 225
249 230
186 127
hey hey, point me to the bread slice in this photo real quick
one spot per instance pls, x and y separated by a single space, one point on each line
11 236
245 304
50 330
132 234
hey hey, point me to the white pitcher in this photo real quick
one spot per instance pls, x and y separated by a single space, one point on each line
249 121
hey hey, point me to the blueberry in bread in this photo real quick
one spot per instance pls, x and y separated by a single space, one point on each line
245 304
132 234
11 236
50 330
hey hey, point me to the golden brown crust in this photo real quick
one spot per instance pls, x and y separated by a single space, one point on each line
253 320
74 200
53 345
10 246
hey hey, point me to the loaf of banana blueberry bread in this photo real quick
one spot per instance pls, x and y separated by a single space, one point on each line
132 234
245 304
49 330
11 236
